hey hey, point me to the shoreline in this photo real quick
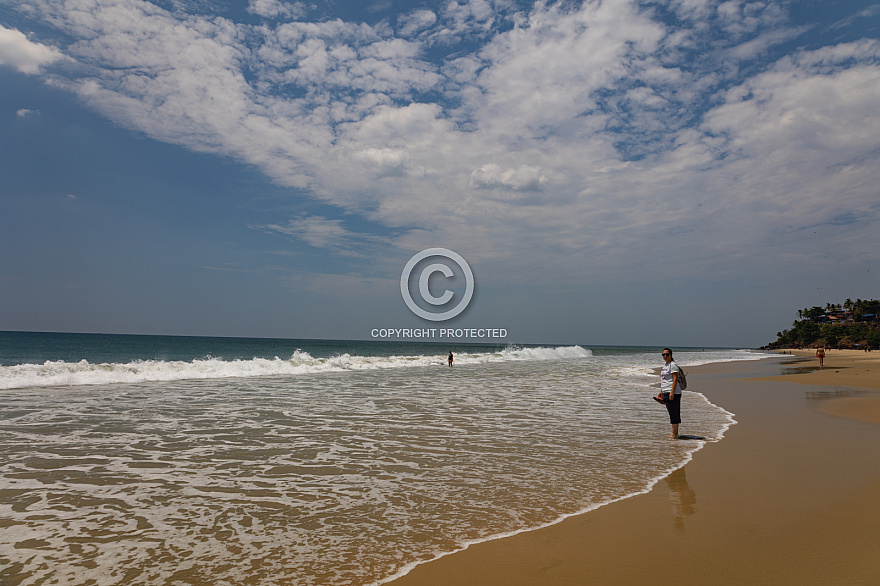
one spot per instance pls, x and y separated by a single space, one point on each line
759 506
854 374
404 572
651 483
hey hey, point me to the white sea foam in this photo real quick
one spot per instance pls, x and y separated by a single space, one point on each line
723 420
643 365
349 477
61 373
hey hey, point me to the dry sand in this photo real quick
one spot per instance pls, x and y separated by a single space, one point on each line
789 496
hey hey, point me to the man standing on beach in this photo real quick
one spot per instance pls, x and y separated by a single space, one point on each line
450 358
820 354
670 391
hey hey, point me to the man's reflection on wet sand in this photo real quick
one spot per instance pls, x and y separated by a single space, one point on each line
681 496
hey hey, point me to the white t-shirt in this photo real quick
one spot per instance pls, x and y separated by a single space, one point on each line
666 377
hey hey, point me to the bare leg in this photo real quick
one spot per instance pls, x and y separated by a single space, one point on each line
674 434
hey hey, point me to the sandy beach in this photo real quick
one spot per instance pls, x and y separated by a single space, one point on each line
789 496
842 368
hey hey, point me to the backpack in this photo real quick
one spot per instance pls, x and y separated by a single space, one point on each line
682 379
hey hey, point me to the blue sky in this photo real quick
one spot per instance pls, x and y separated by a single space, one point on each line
674 173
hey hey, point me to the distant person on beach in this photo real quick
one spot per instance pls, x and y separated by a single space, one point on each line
820 353
670 392
450 358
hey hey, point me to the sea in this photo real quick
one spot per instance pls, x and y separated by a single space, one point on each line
192 460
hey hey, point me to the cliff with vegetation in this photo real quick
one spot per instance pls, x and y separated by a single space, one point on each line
853 324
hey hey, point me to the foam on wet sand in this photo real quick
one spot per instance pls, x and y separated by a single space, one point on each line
788 496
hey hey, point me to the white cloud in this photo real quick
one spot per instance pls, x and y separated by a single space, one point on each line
468 15
388 162
320 232
757 46
598 114
869 12
546 73
24 55
26 113
809 102
745 16
523 178
808 130
277 8
317 231
694 9
415 22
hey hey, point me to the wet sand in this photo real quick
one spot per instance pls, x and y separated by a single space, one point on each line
788 496
842 368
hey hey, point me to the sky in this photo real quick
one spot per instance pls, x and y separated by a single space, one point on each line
687 173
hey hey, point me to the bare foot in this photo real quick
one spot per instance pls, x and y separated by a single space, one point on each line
672 436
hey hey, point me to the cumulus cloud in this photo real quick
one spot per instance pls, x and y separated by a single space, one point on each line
468 16
388 162
414 22
607 117
277 9
523 178
17 51
746 16
808 101
808 121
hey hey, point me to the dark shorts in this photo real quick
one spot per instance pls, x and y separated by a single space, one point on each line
674 407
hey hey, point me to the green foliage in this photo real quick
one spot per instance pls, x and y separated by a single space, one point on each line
863 308
859 327
858 331
830 334
814 312
808 332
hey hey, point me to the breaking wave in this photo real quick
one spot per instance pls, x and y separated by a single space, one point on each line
62 373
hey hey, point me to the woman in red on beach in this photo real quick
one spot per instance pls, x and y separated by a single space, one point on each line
820 353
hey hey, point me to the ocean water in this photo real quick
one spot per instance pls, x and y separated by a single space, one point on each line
162 460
